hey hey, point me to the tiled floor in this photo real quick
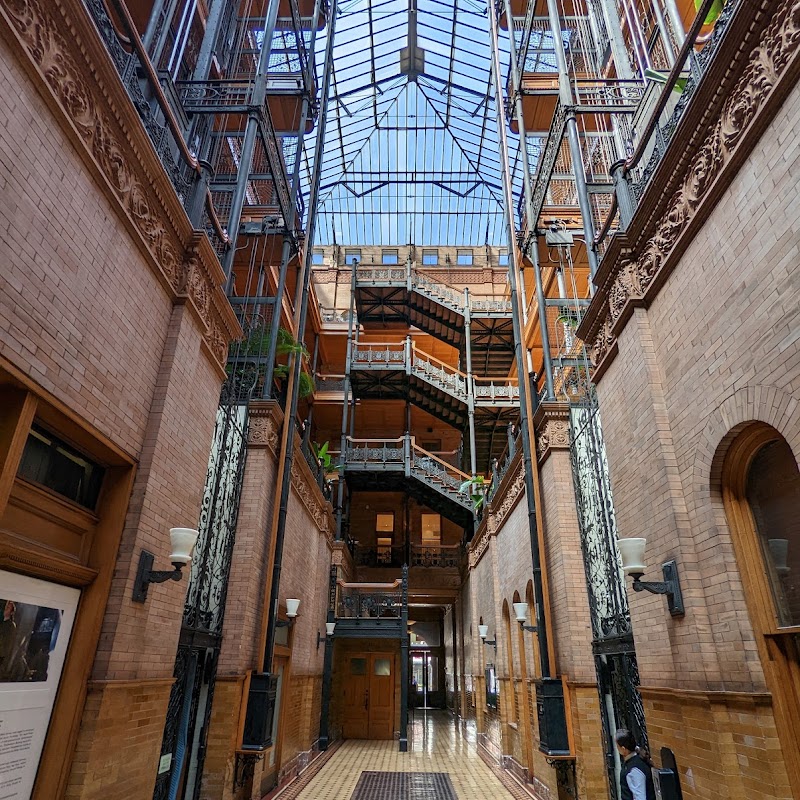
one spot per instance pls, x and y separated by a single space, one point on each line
436 744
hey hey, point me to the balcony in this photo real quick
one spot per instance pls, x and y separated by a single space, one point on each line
371 610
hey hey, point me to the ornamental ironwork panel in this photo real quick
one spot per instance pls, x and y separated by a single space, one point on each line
608 602
189 711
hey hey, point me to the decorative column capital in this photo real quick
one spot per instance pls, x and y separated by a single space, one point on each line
551 425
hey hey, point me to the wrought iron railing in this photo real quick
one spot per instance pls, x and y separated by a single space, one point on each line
633 176
403 454
135 71
372 600
406 356
444 556
378 556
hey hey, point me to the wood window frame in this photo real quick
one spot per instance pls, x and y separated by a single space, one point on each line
758 593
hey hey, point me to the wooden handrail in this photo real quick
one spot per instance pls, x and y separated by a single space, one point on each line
688 45
122 10
212 215
510 381
353 440
386 586
450 467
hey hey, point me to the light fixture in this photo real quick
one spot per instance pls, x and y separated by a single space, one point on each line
483 632
330 627
521 613
182 542
292 605
779 550
632 553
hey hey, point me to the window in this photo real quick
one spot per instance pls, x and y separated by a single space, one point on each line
492 687
502 257
350 255
464 258
317 257
430 258
431 529
773 492
389 257
48 461
384 522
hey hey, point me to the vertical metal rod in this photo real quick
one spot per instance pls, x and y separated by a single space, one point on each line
528 447
565 95
669 50
275 322
183 30
532 223
346 399
215 18
622 63
404 663
257 100
155 39
676 22
473 459
287 437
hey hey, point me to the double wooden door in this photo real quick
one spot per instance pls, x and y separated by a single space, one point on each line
369 687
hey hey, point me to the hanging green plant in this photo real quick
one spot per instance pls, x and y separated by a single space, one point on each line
713 12
661 77
474 487
322 455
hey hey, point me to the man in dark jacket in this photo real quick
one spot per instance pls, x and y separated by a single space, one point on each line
635 774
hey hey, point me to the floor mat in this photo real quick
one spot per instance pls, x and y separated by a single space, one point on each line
404 786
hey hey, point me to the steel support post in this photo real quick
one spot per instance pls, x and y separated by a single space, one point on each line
257 100
346 401
473 459
542 606
404 664
327 667
532 223
676 22
573 138
622 63
286 456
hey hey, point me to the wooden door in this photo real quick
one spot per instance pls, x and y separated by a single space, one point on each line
355 718
369 697
381 696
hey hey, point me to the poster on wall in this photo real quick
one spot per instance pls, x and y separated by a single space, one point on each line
36 624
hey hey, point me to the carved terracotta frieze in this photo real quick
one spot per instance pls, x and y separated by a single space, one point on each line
638 274
67 54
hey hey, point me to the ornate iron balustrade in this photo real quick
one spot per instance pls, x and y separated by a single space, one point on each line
335 316
371 600
443 556
378 556
380 274
133 68
330 383
375 451
405 356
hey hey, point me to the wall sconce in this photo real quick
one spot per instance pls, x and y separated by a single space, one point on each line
182 542
292 605
632 554
483 632
521 613
779 550
330 627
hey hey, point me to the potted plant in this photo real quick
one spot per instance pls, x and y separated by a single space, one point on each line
475 487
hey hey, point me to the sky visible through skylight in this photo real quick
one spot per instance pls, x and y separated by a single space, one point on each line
411 158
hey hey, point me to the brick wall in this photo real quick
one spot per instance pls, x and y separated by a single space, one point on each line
717 347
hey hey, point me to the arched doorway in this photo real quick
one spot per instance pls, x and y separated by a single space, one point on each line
761 493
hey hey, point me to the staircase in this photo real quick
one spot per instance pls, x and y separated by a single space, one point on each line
401 465
403 295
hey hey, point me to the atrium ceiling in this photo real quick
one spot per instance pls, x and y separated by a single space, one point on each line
411 149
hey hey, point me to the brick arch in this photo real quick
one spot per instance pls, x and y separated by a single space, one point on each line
760 403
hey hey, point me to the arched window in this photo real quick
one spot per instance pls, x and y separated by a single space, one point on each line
761 493
772 490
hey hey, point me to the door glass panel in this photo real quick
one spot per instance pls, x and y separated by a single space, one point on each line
433 673
358 666
383 666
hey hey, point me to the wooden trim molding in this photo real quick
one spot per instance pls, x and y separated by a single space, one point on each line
695 696
63 53
23 558
551 424
756 66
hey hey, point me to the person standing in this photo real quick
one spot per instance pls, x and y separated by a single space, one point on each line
635 774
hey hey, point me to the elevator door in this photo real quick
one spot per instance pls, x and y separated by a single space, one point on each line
369 697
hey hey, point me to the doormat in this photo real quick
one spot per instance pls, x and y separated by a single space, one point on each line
404 786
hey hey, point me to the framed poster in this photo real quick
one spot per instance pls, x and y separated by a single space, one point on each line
36 623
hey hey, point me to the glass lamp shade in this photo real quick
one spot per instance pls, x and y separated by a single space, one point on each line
330 627
632 553
291 607
483 631
521 611
182 542
779 550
